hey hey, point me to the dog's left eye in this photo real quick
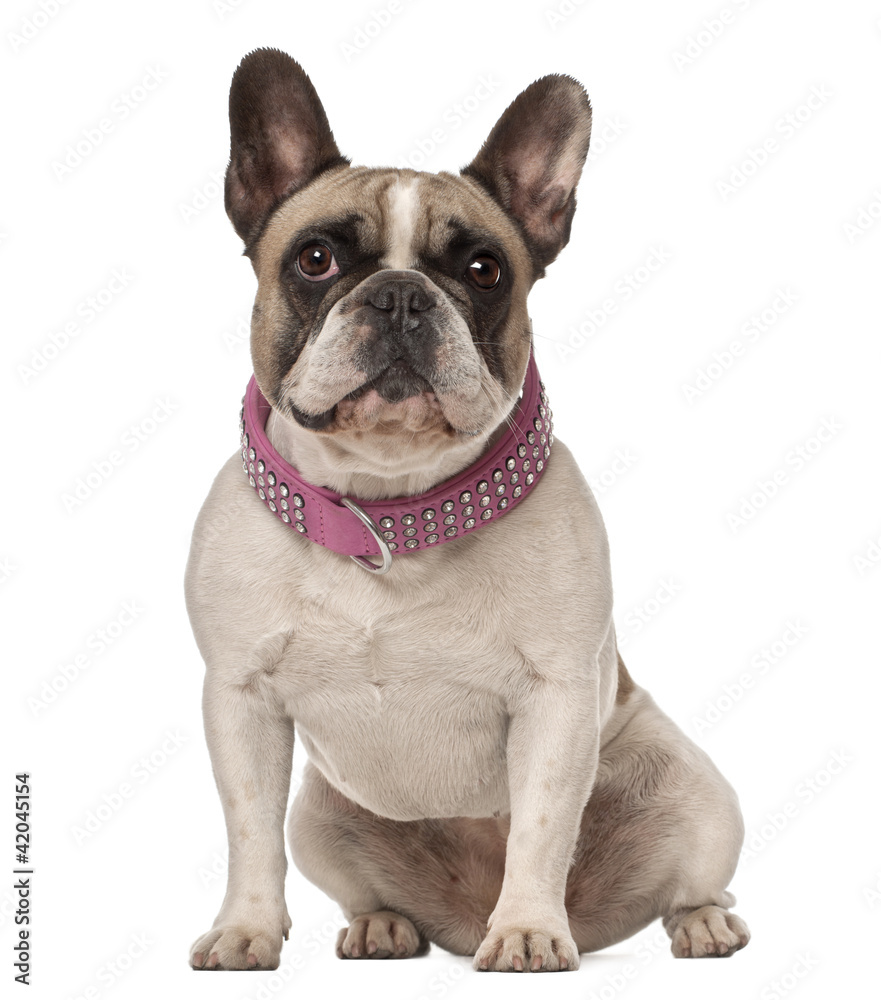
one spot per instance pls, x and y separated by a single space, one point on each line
484 272
317 262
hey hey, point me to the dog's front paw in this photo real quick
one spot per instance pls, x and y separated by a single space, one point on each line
523 948
240 946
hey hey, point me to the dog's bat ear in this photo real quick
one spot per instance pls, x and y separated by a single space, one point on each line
279 138
532 160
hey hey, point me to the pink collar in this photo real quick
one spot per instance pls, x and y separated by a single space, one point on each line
490 487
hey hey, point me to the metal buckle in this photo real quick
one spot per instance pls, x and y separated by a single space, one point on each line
373 528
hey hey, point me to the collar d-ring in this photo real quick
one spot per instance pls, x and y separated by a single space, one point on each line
374 530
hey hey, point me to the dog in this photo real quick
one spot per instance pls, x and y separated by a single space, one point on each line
403 565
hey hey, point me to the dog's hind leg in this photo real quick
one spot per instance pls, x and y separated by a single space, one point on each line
660 837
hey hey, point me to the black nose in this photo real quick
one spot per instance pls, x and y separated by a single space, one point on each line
403 299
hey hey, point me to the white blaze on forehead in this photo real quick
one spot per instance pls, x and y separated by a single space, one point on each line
402 204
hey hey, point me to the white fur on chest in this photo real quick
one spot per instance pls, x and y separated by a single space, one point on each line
400 686
404 709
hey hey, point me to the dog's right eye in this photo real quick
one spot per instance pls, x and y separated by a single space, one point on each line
316 262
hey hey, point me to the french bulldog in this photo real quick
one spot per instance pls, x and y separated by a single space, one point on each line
483 772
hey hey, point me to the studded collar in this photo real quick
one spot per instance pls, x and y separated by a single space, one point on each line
488 488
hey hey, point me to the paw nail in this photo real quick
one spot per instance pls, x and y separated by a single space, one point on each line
213 959
356 951
518 963
198 959
402 948
564 963
252 960
371 947
537 963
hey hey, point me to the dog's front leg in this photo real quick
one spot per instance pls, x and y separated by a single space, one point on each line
552 752
251 742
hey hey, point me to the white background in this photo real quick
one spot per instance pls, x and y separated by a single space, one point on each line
677 110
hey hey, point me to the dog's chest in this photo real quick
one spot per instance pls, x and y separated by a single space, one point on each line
402 710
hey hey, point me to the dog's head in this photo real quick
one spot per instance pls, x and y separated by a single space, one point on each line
391 306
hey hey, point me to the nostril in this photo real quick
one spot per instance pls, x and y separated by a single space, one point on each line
420 300
384 298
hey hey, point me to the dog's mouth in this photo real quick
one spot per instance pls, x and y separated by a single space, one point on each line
397 398
394 384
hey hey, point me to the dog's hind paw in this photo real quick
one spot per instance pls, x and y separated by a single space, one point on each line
708 932
380 935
